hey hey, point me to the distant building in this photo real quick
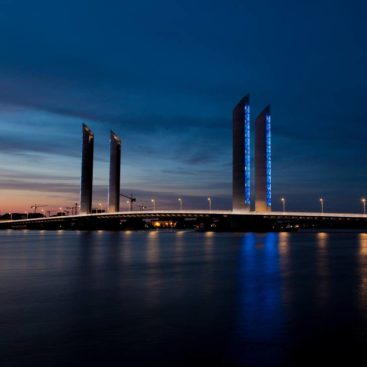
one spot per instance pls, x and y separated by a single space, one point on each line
86 184
115 172
241 156
263 161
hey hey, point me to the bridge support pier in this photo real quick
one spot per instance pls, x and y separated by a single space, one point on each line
115 172
86 184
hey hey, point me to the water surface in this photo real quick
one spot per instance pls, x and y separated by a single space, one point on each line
179 298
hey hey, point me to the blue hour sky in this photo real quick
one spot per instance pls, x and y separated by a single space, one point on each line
165 76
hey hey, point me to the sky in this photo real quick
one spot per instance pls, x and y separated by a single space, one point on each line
165 76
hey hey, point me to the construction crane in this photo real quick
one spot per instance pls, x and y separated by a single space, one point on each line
131 198
74 209
36 206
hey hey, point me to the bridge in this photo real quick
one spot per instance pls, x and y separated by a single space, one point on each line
206 220
249 212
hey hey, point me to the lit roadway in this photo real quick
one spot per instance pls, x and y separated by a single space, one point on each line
203 219
153 213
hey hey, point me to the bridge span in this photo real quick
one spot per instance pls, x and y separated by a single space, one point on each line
208 220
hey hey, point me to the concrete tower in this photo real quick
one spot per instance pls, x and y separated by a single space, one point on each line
263 161
86 185
115 171
241 156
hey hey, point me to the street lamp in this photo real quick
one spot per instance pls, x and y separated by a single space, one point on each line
210 203
322 205
153 201
26 213
100 207
180 201
128 203
283 204
364 205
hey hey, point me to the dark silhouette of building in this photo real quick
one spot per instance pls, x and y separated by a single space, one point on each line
241 156
86 185
115 171
263 161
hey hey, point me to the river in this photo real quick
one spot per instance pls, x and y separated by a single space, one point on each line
182 298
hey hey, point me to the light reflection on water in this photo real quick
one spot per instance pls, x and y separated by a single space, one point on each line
283 238
284 265
261 314
126 252
179 247
322 268
208 246
152 248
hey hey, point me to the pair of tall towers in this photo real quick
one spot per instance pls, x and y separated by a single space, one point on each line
86 184
241 197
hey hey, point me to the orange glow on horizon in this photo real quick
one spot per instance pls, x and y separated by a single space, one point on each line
20 201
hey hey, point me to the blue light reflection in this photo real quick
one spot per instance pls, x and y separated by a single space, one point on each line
261 314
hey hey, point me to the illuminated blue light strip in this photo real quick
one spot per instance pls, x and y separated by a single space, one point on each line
268 160
247 155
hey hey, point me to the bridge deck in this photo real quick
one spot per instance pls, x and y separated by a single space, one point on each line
195 213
